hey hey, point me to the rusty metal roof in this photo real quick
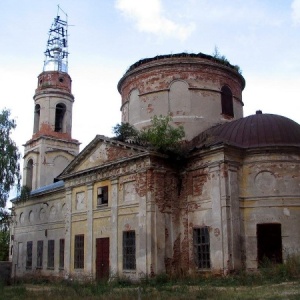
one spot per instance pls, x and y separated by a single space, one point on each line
259 130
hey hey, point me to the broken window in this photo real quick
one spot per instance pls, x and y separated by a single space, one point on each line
39 254
129 250
59 117
102 195
227 101
29 255
269 243
79 252
61 253
201 247
50 254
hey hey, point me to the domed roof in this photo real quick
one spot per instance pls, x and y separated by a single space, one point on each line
259 130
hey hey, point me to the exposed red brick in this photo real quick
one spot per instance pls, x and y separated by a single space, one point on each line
47 130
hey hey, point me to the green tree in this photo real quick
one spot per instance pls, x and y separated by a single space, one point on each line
9 175
4 235
125 131
162 135
9 157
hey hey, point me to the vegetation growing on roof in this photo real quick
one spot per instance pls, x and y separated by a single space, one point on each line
161 135
215 57
223 59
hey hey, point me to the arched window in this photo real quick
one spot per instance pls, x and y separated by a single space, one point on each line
227 101
59 117
29 173
36 126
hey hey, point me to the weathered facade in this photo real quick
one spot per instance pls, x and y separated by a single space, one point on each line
121 209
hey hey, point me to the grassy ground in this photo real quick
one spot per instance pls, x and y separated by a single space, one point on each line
272 282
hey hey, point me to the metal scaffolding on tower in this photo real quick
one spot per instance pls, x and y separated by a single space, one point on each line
56 54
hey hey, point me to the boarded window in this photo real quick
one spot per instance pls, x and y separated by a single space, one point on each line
79 252
29 255
129 259
227 101
102 195
51 254
39 254
61 253
201 247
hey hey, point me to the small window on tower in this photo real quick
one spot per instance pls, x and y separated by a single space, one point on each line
227 101
102 195
29 174
36 126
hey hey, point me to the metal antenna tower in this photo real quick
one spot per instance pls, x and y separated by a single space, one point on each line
56 54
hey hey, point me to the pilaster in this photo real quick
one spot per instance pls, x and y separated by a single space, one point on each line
114 229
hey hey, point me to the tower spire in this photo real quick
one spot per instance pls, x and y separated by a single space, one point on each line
56 54
51 147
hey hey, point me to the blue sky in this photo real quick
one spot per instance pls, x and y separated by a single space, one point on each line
261 36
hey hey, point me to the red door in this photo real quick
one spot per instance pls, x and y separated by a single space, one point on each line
102 258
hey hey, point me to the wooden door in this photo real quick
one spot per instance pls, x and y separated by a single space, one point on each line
102 258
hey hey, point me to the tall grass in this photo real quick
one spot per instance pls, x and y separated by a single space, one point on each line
281 281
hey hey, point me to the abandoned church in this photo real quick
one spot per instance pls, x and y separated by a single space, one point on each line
120 209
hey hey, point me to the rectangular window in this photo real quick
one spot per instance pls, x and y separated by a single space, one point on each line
29 255
50 254
61 253
39 254
102 195
129 250
79 252
201 247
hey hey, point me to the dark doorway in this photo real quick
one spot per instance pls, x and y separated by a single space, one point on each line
102 258
269 244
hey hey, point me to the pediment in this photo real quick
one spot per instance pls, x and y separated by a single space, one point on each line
102 151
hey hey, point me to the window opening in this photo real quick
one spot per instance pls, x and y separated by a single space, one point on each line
61 253
29 174
269 243
29 255
79 252
201 247
227 101
102 195
37 111
51 254
129 259
59 117
39 254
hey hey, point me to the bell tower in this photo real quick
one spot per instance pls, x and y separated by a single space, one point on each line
51 147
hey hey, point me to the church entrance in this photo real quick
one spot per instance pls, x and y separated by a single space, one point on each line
102 258
269 244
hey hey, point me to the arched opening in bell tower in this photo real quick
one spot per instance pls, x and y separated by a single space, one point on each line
60 112
37 110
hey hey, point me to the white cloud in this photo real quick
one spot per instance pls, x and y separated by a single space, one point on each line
148 16
296 11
